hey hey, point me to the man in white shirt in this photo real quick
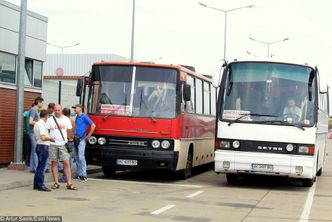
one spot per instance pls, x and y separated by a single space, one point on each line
43 142
58 150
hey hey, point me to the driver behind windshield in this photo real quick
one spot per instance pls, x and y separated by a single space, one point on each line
291 110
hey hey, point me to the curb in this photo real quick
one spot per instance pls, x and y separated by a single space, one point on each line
48 178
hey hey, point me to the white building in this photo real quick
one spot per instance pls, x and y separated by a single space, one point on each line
36 35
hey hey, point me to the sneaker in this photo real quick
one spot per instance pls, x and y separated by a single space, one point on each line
76 178
45 189
83 178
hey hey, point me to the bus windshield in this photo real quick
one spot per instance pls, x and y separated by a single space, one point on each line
154 91
271 93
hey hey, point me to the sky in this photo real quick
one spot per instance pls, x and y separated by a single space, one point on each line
183 32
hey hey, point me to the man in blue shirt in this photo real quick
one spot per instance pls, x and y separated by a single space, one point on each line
82 121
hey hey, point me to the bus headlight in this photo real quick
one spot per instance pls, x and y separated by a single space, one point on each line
236 144
165 144
290 147
225 144
92 140
303 149
101 141
306 150
155 144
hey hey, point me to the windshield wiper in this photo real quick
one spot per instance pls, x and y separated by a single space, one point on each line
248 114
285 123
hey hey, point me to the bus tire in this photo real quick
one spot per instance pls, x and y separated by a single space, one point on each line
186 173
232 178
108 171
308 182
319 172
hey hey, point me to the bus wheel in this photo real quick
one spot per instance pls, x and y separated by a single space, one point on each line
232 178
308 182
186 173
108 171
319 172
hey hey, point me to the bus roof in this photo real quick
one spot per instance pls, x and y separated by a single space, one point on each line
273 60
148 64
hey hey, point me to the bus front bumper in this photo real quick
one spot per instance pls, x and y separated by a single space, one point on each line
130 159
293 166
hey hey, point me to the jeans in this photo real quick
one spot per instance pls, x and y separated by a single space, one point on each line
27 137
80 159
42 154
33 155
60 165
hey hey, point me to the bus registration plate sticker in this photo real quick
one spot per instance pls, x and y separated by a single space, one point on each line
126 162
262 167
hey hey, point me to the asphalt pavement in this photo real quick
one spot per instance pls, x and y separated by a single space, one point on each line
160 196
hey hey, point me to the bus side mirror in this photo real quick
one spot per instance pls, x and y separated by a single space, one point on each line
79 87
186 92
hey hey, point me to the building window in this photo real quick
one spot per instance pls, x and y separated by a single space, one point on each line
37 74
28 72
7 67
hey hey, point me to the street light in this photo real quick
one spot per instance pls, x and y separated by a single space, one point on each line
225 11
63 47
249 53
132 33
152 60
268 43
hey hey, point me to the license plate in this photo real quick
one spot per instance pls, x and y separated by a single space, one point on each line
262 167
126 162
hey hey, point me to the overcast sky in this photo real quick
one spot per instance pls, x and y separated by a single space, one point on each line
184 32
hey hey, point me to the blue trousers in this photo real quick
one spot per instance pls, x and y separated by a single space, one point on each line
80 159
33 155
42 155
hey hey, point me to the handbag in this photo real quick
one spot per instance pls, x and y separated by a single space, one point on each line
69 149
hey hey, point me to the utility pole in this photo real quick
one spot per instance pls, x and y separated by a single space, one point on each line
18 150
132 34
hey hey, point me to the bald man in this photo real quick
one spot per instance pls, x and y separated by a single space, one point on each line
57 149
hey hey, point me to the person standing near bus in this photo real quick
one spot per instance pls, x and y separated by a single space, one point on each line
58 126
34 118
43 142
82 121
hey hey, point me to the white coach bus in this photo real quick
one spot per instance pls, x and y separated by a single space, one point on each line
272 119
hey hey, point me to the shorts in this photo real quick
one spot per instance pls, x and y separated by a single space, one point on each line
58 153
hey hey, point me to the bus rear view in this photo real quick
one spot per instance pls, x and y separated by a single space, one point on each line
272 120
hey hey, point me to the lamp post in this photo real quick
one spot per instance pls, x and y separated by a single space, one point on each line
132 33
268 43
63 47
225 11
159 58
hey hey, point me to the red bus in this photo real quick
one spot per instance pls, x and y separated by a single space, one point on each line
149 116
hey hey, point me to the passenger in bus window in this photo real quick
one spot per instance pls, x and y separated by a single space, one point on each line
292 111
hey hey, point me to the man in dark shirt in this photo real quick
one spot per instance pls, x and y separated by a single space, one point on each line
34 118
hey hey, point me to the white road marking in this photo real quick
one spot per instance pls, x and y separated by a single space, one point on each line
195 194
308 204
163 209
148 183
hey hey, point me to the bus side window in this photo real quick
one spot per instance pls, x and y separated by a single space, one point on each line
206 93
213 100
199 96
191 104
